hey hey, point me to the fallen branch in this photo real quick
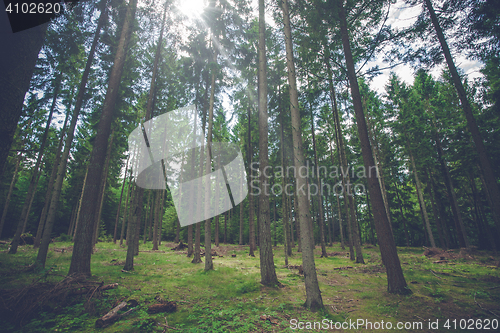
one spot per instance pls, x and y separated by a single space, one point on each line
162 307
113 316
341 268
166 326
486 310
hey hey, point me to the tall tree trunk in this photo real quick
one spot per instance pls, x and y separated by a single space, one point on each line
156 215
457 216
320 193
376 154
405 227
297 222
126 211
226 219
339 209
251 228
208 167
339 140
23 219
50 185
100 199
284 206
484 161
120 202
267 270
9 194
421 200
313 294
82 250
137 205
147 219
80 203
395 278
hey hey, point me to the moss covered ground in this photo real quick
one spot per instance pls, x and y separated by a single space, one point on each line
461 290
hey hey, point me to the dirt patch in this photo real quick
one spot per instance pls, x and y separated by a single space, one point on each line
436 253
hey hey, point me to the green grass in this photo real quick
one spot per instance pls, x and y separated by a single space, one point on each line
231 299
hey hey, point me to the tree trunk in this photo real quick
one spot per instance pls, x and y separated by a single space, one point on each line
284 206
126 211
50 186
407 237
459 224
421 200
313 294
320 193
251 228
156 215
147 219
82 250
9 194
100 199
484 161
23 219
120 201
395 278
267 270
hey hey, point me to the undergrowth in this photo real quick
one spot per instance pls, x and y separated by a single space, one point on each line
231 299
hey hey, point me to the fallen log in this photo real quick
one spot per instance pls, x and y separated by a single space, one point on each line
113 315
162 307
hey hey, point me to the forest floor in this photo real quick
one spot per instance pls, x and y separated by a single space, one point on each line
452 290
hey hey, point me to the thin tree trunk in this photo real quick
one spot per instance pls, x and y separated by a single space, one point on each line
251 228
313 294
100 199
395 278
320 193
284 208
484 161
267 270
120 201
407 237
156 215
23 219
297 222
457 216
50 186
126 211
147 219
9 194
421 200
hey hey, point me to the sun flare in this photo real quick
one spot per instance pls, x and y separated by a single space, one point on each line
191 8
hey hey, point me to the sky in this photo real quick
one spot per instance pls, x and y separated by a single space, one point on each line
400 16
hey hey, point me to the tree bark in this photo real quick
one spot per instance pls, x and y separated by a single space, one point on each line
320 193
82 250
484 161
267 270
395 278
251 228
23 219
120 202
457 216
9 194
50 186
421 200
313 294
